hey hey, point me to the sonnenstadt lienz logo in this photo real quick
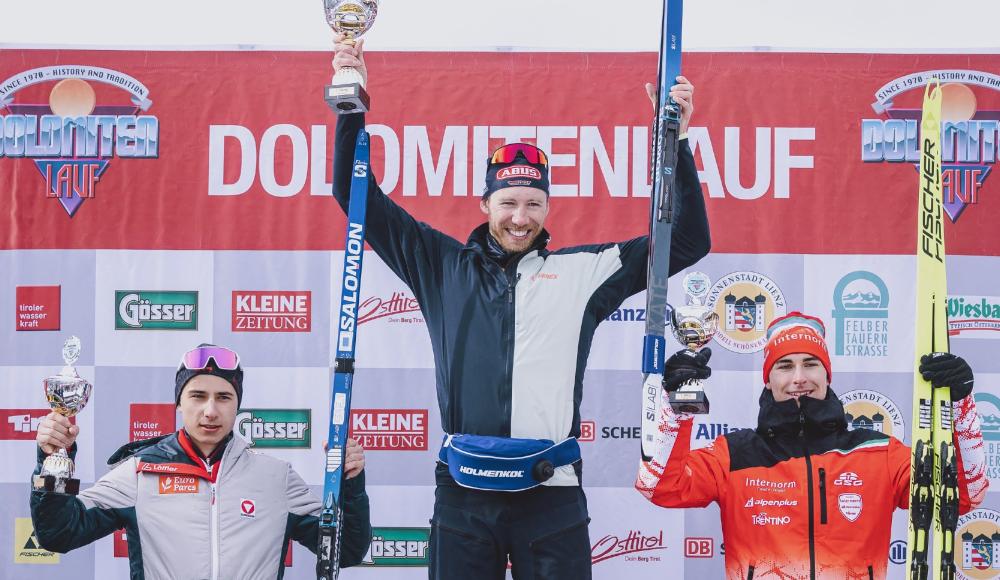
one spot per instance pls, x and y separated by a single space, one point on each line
969 136
865 409
977 545
861 315
71 138
746 303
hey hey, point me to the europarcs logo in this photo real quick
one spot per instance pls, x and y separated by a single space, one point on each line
861 315
58 124
970 136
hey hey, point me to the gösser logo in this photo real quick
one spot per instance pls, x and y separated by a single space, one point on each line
398 547
71 139
288 428
968 137
156 310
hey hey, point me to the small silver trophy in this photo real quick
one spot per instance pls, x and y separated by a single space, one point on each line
352 18
67 394
694 325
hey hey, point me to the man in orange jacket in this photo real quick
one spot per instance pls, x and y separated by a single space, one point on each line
801 496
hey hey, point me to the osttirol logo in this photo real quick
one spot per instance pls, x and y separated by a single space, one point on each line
398 547
287 428
861 312
156 310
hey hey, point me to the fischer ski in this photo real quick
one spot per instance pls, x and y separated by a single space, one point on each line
666 132
330 519
933 466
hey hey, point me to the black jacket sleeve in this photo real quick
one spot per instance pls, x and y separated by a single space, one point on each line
690 240
63 523
411 249
356 534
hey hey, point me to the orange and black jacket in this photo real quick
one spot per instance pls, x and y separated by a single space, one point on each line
801 497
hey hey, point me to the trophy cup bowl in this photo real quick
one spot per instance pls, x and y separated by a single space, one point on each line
67 394
351 18
693 326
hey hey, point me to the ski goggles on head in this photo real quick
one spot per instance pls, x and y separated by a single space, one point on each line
508 153
197 359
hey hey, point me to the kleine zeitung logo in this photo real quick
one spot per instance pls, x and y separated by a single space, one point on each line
390 429
271 311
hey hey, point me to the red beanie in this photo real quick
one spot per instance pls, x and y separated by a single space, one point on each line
796 333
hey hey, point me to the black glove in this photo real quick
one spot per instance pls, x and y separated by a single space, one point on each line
944 369
685 365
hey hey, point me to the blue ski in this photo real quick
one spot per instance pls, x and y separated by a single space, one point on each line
328 552
666 132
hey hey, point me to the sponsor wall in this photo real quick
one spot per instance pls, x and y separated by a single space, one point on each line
161 199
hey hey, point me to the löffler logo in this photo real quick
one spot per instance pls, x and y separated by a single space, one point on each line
969 135
72 139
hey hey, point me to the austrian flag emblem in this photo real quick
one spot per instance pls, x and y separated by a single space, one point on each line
247 508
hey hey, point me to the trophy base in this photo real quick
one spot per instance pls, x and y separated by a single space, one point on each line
694 402
346 99
55 484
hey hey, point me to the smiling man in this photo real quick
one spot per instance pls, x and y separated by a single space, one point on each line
197 503
802 497
511 323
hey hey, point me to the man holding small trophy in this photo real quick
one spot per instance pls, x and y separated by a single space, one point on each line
801 496
196 503
511 325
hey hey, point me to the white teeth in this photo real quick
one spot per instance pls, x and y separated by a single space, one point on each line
518 233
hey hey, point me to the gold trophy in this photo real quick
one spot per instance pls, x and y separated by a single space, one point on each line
67 394
352 18
694 325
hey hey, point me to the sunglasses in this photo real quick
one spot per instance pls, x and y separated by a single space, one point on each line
508 153
197 359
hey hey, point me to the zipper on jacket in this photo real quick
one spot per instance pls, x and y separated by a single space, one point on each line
822 495
871 573
809 485
215 520
750 573
510 273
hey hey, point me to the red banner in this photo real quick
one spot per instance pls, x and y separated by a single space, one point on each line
799 153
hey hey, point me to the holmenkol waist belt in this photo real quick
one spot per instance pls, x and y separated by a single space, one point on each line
504 463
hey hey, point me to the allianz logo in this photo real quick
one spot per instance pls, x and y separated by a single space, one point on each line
627 315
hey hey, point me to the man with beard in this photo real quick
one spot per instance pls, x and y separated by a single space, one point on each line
511 324
802 496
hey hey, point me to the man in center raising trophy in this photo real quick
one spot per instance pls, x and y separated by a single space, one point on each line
511 324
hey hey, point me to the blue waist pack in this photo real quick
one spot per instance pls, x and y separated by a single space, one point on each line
503 463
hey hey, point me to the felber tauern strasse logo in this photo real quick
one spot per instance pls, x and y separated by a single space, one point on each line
71 139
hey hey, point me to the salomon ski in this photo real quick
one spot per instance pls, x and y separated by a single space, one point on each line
666 132
328 552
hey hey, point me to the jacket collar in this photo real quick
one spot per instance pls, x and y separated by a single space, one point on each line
813 418
479 241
